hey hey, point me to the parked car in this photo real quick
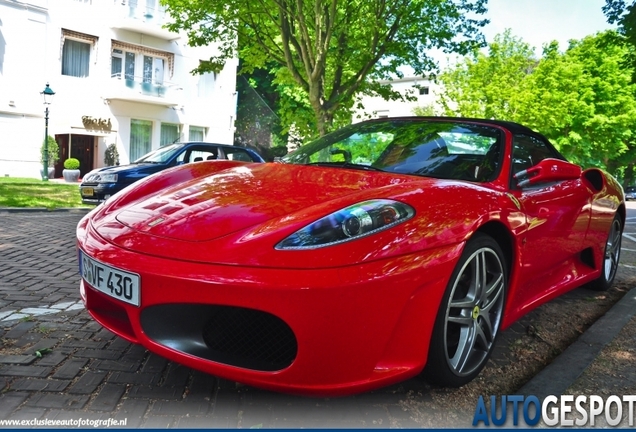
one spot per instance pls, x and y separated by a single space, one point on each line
382 250
630 193
102 183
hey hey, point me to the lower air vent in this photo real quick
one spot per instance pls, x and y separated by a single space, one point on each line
236 336
252 335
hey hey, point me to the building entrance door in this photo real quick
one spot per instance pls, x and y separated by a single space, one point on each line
80 147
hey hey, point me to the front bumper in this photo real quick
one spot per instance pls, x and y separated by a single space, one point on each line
96 193
354 328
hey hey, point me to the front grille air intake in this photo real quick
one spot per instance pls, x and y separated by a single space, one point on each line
251 334
236 336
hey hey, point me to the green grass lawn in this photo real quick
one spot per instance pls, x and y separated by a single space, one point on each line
28 192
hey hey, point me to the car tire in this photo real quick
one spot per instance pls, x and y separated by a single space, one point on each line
611 256
470 314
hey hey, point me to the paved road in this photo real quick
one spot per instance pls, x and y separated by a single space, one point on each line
91 374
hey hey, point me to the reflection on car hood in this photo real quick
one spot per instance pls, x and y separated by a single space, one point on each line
244 196
124 171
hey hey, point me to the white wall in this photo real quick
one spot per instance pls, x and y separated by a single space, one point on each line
30 56
375 107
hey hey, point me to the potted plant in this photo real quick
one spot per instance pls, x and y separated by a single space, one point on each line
71 171
111 155
53 155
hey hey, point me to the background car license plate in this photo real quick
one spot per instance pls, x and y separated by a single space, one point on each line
116 283
87 191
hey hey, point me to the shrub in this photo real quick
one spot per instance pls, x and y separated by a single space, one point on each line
71 164
111 155
53 150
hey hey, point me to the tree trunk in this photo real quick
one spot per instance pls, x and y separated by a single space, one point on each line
629 175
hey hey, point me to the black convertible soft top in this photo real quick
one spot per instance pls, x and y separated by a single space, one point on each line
511 126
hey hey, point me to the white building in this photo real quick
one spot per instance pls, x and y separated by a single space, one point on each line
119 77
422 89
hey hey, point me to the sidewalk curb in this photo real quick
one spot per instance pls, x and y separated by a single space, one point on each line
44 209
555 378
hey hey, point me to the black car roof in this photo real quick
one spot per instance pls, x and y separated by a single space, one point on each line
212 143
511 126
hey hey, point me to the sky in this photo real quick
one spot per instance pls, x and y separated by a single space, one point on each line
540 21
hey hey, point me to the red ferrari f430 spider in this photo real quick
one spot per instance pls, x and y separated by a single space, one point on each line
383 250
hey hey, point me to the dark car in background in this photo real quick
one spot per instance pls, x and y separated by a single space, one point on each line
100 184
630 193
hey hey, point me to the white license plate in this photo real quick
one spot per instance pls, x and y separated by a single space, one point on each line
112 281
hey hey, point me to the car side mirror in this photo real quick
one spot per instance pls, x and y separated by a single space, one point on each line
548 170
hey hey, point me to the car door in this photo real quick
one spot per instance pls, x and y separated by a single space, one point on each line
557 218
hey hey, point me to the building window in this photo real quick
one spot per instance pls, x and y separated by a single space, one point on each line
206 84
149 69
423 90
140 64
76 53
196 133
140 138
169 134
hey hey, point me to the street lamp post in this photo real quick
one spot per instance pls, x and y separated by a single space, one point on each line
47 94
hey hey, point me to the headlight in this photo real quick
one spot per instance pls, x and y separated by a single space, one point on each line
350 223
96 177
107 178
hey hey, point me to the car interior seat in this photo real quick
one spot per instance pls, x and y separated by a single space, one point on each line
197 159
490 165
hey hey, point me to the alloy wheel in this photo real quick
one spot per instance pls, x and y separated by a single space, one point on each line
474 311
612 251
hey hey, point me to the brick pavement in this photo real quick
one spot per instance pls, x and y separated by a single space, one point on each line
91 374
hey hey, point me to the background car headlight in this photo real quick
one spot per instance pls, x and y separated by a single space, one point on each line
107 178
97 177
350 223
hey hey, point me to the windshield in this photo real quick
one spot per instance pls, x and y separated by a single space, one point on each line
441 149
161 155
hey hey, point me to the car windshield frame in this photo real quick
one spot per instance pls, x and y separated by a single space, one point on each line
454 150
160 155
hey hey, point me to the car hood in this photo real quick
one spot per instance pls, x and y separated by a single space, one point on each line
124 170
237 198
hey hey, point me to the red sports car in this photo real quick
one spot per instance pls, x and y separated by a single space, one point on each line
386 249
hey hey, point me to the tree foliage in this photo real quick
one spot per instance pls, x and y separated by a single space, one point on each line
53 151
111 155
330 49
622 13
491 84
582 99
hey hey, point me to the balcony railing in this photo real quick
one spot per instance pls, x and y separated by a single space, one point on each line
146 11
138 89
143 16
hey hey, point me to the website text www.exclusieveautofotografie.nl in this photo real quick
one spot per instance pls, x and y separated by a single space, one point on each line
67 423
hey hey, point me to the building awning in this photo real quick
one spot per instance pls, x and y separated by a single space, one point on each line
81 131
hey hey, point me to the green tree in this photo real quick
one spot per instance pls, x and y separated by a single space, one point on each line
490 84
330 50
585 100
426 111
623 13
53 151
582 99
